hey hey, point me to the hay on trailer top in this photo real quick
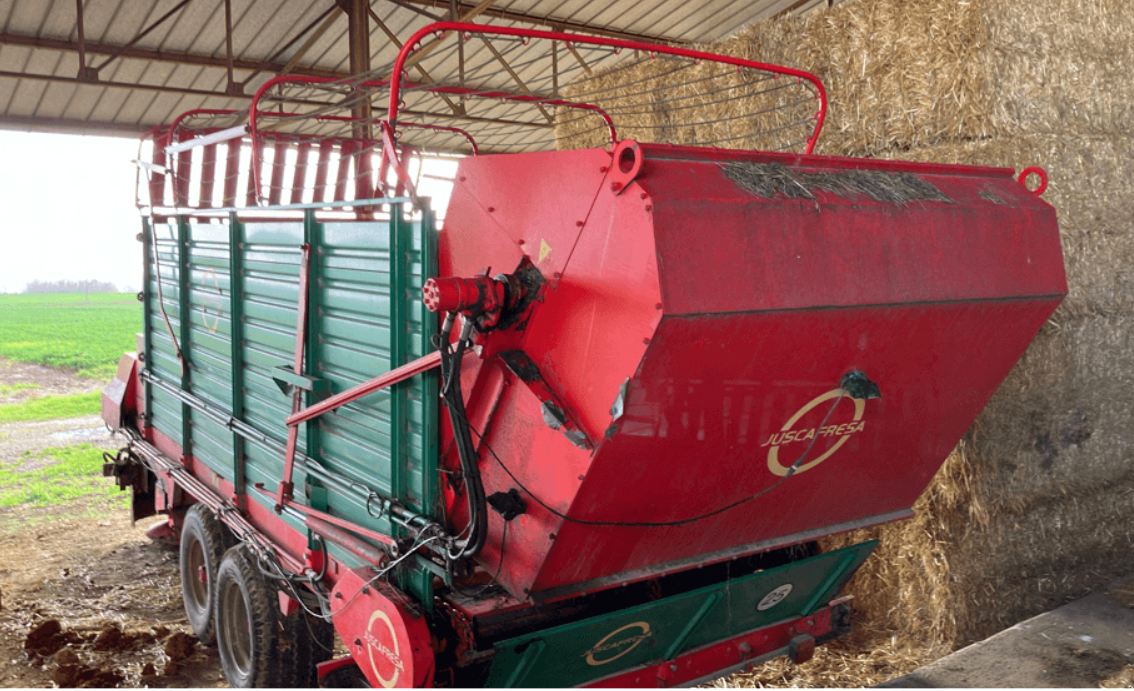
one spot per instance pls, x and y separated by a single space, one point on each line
770 180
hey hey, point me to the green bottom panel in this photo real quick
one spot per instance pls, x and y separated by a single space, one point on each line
575 653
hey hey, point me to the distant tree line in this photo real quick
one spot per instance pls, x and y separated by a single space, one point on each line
66 286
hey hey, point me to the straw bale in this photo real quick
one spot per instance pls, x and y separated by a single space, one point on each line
576 130
1060 66
898 74
1058 426
1091 192
1035 507
678 101
902 75
1122 679
981 555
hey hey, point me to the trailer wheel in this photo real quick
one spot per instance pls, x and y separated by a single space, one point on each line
248 626
345 677
202 545
314 643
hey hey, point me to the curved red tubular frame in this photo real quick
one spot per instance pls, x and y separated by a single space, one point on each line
460 27
171 129
253 112
190 113
455 130
150 134
457 90
507 96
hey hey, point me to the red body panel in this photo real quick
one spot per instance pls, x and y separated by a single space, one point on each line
731 318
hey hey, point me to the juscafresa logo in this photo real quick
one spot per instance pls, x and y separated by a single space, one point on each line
384 642
617 643
838 432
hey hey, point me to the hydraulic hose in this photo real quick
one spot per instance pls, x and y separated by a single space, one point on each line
470 469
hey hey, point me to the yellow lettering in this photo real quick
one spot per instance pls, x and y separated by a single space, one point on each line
810 435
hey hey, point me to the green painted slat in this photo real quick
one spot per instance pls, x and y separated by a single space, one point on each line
231 291
664 629
149 300
183 239
236 299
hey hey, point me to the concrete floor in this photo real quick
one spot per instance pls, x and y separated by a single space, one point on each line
1084 643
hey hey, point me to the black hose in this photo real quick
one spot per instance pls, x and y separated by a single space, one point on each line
470 469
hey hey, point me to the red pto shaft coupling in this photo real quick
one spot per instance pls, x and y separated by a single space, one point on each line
482 299
469 296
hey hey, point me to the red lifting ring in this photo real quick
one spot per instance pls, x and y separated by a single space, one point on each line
626 164
1023 179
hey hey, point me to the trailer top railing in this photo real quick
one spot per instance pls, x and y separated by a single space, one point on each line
470 89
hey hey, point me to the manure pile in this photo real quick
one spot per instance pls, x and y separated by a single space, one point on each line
1035 507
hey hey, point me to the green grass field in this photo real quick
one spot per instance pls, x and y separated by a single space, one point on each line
83 333
56 476
51 407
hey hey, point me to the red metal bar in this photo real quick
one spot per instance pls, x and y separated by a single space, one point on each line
231 172
208 176
345 151
325 148
303 150
364 169
183 173
286 486
253 196
456 130
333 520
280 141
176 124
408 153
336 521
390 156
400 374
157 180
279 164
523 98
398 72
255 113
345 540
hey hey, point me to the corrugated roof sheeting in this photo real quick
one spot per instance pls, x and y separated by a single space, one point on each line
40 40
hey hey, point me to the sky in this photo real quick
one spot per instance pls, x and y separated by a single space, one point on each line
67 210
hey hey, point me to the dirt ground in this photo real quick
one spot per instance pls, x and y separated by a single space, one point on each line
86 599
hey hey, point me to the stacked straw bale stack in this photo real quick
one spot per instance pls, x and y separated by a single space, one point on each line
1036 505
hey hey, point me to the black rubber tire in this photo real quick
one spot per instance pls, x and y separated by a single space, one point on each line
202 546
248 627
314 643
349 677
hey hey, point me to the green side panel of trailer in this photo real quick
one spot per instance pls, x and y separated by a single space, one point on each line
583 651
231 295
